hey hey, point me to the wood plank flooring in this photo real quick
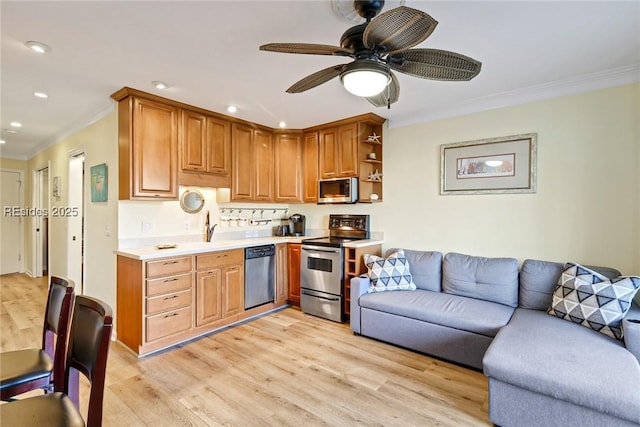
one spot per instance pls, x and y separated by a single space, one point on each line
284 369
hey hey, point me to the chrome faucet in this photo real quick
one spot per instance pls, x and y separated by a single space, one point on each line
210 232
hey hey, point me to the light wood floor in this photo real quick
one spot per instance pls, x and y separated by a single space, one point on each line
285 368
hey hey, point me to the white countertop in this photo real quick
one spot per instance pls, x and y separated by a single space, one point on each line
152 252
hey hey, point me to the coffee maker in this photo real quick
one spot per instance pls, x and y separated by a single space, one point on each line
297 224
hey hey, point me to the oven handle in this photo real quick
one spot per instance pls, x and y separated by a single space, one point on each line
320 249
319 296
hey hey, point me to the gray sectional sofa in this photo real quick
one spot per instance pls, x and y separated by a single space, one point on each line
488 314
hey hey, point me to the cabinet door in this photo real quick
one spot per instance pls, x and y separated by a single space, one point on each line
242 159
288 168
219 144
293 258
347 164
233 290
282 274
310 167
327 162
155 150
263 157
193 144
209 296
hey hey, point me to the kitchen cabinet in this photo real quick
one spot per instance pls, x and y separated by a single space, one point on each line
338 153
147 147
370 158
220 286
310 150
282 274
154 301
205 150
288 168
252 164
293 261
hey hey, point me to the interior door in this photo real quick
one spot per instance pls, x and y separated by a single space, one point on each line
11 225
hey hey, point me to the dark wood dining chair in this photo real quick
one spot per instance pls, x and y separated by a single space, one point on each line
89 340
41 368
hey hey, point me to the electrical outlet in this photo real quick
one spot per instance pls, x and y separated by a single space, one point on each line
186 226
147 227
107 230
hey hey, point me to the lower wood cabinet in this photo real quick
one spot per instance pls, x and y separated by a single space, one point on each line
220 286
293 259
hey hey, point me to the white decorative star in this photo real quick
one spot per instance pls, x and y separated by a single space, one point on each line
375 176
373 138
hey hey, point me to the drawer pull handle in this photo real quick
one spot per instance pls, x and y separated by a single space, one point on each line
170 280
170 297
170 262
170 315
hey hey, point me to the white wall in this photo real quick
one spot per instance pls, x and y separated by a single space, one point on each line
586 208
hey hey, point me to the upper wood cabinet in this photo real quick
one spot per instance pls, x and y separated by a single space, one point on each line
205 150
147 148
310 147
288 168
338 154
252 164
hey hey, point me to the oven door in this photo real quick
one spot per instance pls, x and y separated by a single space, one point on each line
321 269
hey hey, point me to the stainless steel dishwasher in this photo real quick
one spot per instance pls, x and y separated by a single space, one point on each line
259 275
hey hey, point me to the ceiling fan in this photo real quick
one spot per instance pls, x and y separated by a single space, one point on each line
378 46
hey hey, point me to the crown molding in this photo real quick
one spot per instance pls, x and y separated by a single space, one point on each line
559 88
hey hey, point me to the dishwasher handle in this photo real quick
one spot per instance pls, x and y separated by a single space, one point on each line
259 251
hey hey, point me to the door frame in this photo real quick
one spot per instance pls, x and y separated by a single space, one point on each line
37 221
73 156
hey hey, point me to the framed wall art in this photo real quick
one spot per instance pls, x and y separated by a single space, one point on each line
99 183
57 186
503 165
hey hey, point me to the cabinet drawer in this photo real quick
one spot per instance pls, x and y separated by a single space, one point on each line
165 285
168 267
218 259
168 302
163 325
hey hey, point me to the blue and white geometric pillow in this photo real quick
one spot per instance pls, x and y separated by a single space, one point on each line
390 274
590 299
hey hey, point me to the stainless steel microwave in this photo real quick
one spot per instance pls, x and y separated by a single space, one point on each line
338 190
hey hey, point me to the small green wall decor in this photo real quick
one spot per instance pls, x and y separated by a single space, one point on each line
99 183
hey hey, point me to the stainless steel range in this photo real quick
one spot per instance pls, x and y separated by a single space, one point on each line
322 266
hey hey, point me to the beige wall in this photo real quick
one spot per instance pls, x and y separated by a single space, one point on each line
100 145
586 208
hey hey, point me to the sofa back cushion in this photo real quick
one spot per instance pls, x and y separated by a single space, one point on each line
426 268
538 281
490 279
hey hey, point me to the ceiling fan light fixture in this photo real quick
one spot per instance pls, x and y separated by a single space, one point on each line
365 78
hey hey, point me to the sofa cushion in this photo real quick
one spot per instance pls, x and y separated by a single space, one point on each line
588 298
389 274
467 314
538 281
426 268
550 356
490 279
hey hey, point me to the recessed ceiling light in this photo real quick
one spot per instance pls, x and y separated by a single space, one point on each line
38 47
2 141
282 124
159 85
232 108
16 124
10 130
41 95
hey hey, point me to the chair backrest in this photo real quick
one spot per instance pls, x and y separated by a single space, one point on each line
87 353
56 326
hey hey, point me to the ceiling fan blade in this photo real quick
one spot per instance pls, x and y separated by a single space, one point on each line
398 29
435 64
389 95
316 79
307 48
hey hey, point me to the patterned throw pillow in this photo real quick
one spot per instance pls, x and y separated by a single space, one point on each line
586 297
390 274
